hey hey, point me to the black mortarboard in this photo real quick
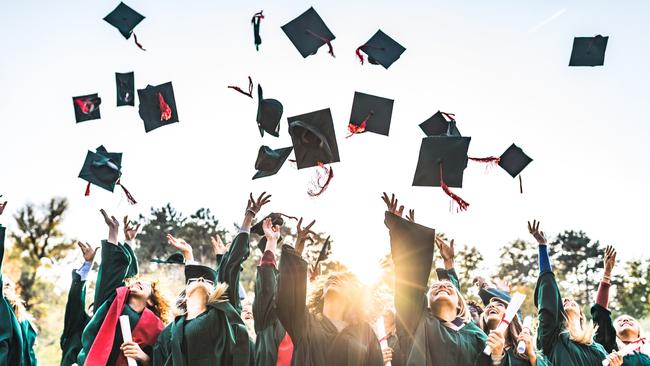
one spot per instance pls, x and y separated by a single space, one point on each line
125 85
198 271
381 50
124 19
86 107
442 153
269 113
438 125
375 111
487 294
102 168
157 106
324 252
276 219
588 51
308 33
514 160
175 258
314 139
270 161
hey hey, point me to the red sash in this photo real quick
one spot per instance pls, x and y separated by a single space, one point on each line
285 351
144 334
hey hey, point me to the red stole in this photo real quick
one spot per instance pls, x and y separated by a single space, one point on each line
285 351
144 334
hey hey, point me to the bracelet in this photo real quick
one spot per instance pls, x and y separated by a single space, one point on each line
607 278
251 211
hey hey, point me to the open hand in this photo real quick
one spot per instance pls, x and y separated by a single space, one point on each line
533 228
182 246
2 207
447 251
113 227
271 232
130 232
254 205
411 215
392 204
217 245
87 251
303 234
609 260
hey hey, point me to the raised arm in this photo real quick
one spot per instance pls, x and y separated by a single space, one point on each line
605 333
448 254
264 308
115 264
547 295
219 249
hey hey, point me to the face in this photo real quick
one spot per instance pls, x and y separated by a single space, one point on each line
627 325
141 289
200 283
247 312
570 306
443 292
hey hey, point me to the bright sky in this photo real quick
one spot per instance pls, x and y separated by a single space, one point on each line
501 66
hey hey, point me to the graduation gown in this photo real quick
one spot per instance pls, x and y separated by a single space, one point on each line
230 267
423 338
606 336
12 344
552 338
75 320
316 339
511 359
29 339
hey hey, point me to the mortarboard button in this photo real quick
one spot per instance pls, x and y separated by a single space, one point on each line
270 161
370 113
157 106
381 49
125 84
269 113
588 51
86 107
308 33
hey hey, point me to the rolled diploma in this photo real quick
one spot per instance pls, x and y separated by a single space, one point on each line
126 335
513 307
630 348
521 346
381 332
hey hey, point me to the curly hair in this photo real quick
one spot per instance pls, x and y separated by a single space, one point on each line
160 305
357 306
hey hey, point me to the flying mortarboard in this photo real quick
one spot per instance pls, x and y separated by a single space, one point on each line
440 123
308 33
370 113
103 169
381 50
514 160
255 21
86 107
125 20
125 84
441 163
324 252
588 51
270 161
269 113
157 106
175 258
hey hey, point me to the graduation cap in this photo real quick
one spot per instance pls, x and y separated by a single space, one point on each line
199 271
588 51
157 106
125 85
269 113
487 294
440 123
255 21
514 160
86 107
441 163
125 20
370 113
324 251
381 50
276 219
175 258
103 169
308 33
270 161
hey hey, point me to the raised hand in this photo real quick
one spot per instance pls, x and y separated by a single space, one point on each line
2 206
392 205
314 272
217 245
609 261
272 234
479 282
130 232
533 229
182 246
447 251
411 215
113 227
501 284
87 251
254 205
302 235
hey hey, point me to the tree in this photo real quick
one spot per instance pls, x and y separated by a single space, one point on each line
38 241
632 292
467 261
518 262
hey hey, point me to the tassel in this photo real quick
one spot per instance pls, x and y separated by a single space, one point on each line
521 185
256 29
83 104
165 111
128 194
327 41
370 59
355 129
450 116
87 190
490 161
320 188
135 39
359 55
462 204
250 88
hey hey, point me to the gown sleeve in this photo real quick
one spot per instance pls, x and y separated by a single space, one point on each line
292 294
548 301
112 272
264 309
75 317
230 267
605 333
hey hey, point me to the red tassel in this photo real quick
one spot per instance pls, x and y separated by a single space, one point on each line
450 116
327 41
320 188
488 160
128 194
257 16
135 39
359 55
250 88
355 129
462 204
87 190
84 105
165 111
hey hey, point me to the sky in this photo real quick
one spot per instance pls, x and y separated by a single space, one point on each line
500 66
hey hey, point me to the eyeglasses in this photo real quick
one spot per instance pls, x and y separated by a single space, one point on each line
200 279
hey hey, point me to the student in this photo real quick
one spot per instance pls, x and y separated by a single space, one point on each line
625 329
25 320
209 329
434 327
76 318
329 328
141 301
564 334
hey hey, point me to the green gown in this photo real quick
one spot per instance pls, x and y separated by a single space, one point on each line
12 342
423 339
29 339
514 360
316 340
552 338
218 337
606 336
75 321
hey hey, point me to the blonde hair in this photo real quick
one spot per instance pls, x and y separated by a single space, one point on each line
462 311
583 335
358 309
218 295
